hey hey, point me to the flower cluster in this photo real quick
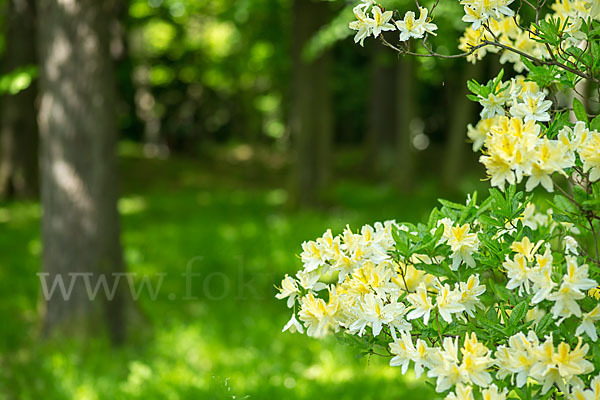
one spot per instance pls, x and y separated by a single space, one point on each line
511 136
490 300
413 287
493 21
507 32
478 12
526 357
379 21
370 282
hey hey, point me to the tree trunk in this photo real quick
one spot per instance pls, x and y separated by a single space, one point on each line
462 112
19 133
407 109
311 114
80 224
379 140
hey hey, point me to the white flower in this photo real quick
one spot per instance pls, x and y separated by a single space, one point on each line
590 155
405 351
363 24
533 108
373 312
289 289
492 393
312 255
381 21
518 357
463 244
469 294
445 365
293 325
310 280
528 217
462 392
493 105
448 223
421 303
539 175
577 276
476 362
571 245
518 273
474 16
566 301
415 28
541 276
588 324
318 316
571 362
423 21
409 27
448 302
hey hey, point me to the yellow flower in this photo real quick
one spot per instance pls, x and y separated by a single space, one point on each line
590 155
463 244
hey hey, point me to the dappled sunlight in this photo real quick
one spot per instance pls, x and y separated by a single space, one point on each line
132 205
230 346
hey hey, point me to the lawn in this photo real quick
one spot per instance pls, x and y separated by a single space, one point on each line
235 231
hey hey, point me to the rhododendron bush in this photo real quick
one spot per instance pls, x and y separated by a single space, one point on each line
494 298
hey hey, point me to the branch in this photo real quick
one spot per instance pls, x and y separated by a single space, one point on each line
486 42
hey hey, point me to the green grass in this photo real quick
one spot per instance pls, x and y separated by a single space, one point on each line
230 347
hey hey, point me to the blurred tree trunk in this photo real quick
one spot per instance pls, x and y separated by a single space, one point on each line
380 140
80 224
462 111
407 106
19 133
128 122
311 114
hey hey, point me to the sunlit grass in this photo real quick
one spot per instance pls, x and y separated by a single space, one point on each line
227 343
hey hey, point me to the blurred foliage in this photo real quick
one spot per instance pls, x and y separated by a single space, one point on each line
219 71
209 71
17 80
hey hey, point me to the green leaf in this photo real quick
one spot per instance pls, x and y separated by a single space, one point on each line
595 124
518 312
402 242
591 205
543 76
580 194
543 324
474 87
500 291
564 204
434 216
452 205
487 220
498 198
560 120
579 111
486 323
561 218
433 269
497 80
